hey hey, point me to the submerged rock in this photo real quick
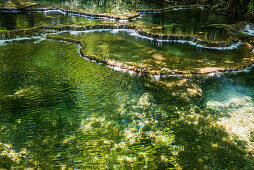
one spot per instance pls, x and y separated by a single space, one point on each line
11 157
145 100
239 102
239 120
194 91
215 105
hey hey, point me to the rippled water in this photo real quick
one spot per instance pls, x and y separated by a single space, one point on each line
48 90
124 46
59 110
190 21
29 20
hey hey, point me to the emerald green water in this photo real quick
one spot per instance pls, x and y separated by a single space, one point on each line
19 21
194 21
60 110
48 92
122 46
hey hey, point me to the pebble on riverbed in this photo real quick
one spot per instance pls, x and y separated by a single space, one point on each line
238 118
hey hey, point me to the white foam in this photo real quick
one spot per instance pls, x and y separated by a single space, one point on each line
124 20
5 42
215 74
136 34
155 77
159 41
114 31
54 10
87 16
247 30
122 70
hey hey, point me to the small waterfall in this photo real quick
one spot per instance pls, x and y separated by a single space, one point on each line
248 30
17 38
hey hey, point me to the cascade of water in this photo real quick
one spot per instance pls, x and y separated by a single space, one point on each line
248 30
6 41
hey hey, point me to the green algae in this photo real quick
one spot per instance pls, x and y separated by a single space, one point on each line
43 97
78 114
158 57
61 111
194 21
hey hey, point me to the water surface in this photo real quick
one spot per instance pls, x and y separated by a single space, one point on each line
10 21
60 110
192 21
49 94
123 46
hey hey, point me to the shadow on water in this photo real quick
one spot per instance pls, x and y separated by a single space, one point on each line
46 94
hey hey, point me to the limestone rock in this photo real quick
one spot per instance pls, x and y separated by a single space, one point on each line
145 100
239 102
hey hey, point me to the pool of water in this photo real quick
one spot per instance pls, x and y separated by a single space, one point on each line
51 96
194 25
59 110
109 6
193 21
12 21
125 47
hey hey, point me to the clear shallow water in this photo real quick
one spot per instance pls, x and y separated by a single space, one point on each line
48 90
29 20
60 110
232 97
125 47
190 21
